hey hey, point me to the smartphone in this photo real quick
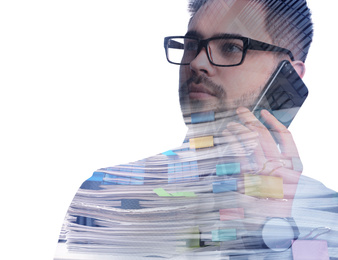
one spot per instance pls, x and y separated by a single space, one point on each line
283 95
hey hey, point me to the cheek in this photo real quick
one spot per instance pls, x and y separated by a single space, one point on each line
185 74
234 81
239 82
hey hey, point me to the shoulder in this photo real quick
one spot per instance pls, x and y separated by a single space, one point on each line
314 197
311 188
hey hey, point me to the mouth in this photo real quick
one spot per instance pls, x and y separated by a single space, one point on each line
199 92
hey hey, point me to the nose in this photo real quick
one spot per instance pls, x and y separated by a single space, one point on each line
201 64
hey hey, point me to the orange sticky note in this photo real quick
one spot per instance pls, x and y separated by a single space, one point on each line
264 186
201 142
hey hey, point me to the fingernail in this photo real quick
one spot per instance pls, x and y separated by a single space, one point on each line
241 110
265 112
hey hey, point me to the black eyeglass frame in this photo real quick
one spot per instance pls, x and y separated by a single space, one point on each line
248 44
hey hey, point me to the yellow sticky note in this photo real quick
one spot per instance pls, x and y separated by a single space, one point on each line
193 237
264 186
201 142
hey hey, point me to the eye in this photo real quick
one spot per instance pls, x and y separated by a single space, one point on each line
190 45
229 47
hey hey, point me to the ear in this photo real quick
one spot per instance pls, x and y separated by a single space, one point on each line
299 67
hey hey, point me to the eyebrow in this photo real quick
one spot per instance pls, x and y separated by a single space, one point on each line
194 34
200 36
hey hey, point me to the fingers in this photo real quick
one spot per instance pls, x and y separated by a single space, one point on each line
267 142
267 155
239 131
268 158
281 134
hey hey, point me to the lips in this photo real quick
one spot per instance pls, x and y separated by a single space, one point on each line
199 92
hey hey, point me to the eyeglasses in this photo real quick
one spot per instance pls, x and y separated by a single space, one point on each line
223 51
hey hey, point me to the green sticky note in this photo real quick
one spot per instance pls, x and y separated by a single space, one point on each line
178 194
228 169
184 194
189 194
221 235
162 192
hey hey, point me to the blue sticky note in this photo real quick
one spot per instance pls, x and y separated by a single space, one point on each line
169 153
123 180
224 186
85 221
137 181
202 117
97 176
138 169
178 167
228 168
130 204
114 179
171 172
221 235
185 166
194 165
110 178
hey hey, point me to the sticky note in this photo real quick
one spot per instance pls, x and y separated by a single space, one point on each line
124 180
224 186
202 117
162 192
263 186
110 179
194 165
221 235
194 237
97 176
85 221
130 204
184 194
176 172
201 142
231 214
310 250
136 180
169 153
228 169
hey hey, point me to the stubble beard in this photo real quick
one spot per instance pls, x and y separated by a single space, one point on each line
221 105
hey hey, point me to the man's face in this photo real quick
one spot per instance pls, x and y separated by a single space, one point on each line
204 87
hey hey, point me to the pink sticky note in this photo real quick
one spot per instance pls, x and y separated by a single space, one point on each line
231 214
310 250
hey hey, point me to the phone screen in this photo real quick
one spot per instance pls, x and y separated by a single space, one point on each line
283 95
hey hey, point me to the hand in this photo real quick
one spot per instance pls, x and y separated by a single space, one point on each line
267 158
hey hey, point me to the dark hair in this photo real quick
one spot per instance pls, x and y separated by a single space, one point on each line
288 23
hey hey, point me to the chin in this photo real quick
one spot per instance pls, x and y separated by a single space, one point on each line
196 106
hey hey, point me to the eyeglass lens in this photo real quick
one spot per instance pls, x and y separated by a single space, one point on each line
220 51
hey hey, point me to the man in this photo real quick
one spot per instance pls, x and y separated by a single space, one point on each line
233 189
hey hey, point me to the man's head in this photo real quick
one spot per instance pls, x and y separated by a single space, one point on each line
205 86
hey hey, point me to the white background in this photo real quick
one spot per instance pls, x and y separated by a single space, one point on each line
85 84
